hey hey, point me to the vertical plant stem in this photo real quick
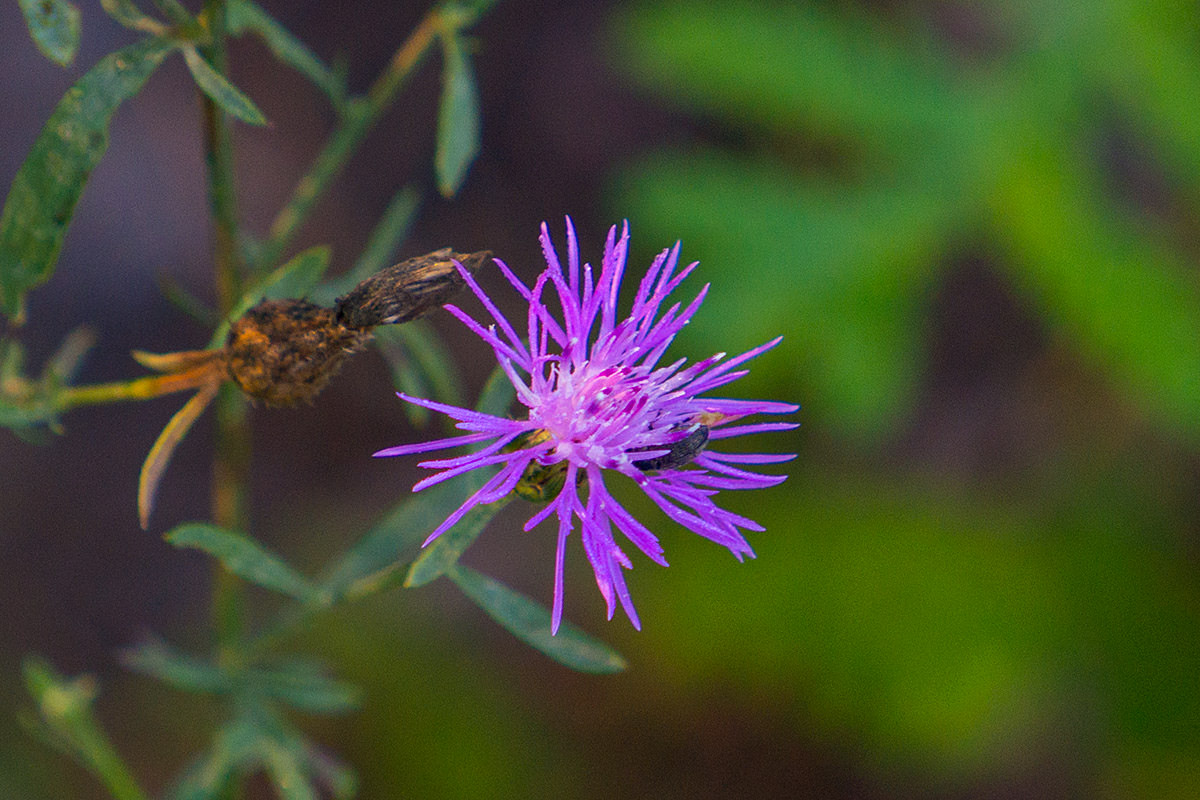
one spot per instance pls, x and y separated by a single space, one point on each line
232 460
360 118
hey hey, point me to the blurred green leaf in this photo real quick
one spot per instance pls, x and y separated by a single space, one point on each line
786 66
1127 301
65 707
530 622
294 765
469 9
220 90
27 403
128 14
1144 52
458 118
421 365
304 685
175 294
245 558
298 683
373 561
291 280
407 374
48 184
857 272
179 15
163 662
286 767
54 26
232 750
242 16
380 251
258 738
443 553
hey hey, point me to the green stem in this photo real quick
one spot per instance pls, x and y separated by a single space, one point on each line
360 118
218 156
109 767
231 463
66 707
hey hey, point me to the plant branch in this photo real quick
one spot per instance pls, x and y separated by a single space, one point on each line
231 463
352 129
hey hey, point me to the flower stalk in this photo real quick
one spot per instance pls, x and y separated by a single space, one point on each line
360 117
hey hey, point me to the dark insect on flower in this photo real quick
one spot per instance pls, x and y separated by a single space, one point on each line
284 352
679 454
407 290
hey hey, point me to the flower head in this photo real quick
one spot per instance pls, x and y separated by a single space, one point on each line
597 401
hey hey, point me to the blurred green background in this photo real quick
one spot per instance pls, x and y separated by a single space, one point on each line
976 225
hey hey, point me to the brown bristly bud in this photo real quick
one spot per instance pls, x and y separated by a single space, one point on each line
407 290
284 351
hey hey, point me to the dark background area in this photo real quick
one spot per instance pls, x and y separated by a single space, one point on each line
980 578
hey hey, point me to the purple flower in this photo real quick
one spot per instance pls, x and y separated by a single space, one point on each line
598 401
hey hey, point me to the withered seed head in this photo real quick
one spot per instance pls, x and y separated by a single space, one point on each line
407 290
285 351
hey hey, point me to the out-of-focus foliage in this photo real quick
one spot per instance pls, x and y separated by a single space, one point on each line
54 25
928 146
846 159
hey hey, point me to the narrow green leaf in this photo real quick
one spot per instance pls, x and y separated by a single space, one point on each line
54 26
443 553
286 767
185 301
371 563
233 748
244 16
179 16
245 558
293 279
380 251
220 90
407 374
42 199
304 685
64 364
421 365
128 14
530 622
159 660
286 756
458 119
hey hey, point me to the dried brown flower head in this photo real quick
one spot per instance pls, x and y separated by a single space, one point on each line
283 352
407 290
